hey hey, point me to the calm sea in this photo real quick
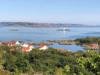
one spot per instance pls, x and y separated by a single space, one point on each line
43 34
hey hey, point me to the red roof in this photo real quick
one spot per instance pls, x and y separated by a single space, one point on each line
94 46
26 49
11 43
42 45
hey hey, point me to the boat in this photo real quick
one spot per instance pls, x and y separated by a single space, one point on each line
64 29
13 29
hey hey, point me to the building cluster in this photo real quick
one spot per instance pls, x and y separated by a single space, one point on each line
93 46
25 47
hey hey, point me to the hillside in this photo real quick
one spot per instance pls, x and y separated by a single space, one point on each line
33 24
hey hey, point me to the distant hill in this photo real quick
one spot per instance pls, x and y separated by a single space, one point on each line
39 25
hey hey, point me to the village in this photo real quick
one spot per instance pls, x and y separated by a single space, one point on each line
24 46
29 46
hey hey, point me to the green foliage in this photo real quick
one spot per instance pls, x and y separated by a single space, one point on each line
88 40
58 71
49 62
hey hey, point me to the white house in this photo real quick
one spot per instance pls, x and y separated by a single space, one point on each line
43 47
18 43
27 47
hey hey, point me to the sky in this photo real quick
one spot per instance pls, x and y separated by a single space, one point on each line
51 11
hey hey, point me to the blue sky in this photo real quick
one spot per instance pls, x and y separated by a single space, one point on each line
56 11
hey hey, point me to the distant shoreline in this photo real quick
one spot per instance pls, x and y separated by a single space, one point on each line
42 25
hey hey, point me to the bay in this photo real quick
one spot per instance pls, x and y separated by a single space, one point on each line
43 34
